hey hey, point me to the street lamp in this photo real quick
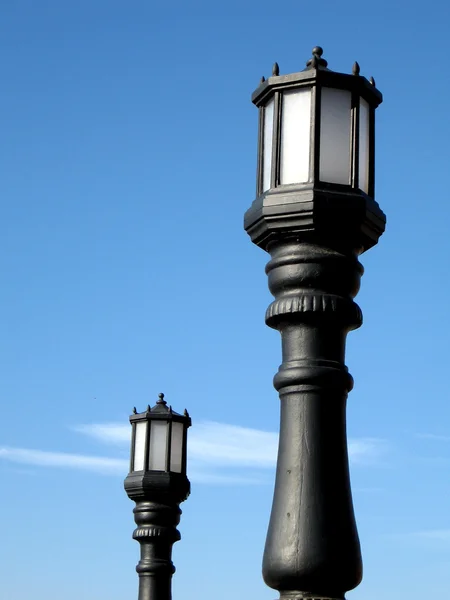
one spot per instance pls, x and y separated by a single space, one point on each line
157 482
314 213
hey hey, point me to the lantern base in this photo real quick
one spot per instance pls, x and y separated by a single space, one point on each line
157 486
343 216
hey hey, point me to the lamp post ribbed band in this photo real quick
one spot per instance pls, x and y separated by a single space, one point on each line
156 533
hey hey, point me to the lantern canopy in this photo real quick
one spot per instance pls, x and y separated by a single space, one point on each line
316 156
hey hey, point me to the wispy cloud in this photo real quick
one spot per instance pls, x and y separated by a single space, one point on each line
64 460
219 453
427 538
366 451
208 476
232 445
209 442
442 535
368 490
433 436
110 433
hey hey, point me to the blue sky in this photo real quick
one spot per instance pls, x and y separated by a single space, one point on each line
127 153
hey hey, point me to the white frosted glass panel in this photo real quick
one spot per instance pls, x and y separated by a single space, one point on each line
176 452
335 136
139 445
364 146
295 136
267 144
158 446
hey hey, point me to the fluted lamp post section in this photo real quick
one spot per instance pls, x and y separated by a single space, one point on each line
157 482
314 213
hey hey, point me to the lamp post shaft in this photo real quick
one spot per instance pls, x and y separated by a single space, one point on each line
156 533
312 548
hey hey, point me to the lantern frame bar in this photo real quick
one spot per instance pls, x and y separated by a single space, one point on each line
133 450
316 101
168 446
354 142
260 151
371 151
276 138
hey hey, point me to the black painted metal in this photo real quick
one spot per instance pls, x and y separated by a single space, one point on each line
157 495
275 174
259 159
314 235
355 139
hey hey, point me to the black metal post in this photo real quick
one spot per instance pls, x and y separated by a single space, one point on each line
312 547
314 231
156 533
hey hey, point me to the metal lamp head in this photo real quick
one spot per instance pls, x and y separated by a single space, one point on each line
316 157
158 453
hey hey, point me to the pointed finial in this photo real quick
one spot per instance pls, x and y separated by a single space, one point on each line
148 408
186 414
170 409
161 399
134 410
317 61
262 80
372 81
356 69
275 69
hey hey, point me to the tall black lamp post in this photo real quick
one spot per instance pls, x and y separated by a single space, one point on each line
314 213
157 482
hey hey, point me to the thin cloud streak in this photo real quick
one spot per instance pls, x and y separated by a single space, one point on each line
366 451
222 444
218 453
41 458
429 538
109 433
209 442
232 445
201 475
442 535
113 466
433 436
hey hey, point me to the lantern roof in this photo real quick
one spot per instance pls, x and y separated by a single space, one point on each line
317 73
160 411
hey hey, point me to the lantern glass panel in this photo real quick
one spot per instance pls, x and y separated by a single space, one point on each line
267 144
335 130
295 136
176 452
364 117
139 445
158 446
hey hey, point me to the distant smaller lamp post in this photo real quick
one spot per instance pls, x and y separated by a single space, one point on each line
157 482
